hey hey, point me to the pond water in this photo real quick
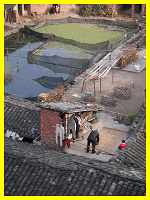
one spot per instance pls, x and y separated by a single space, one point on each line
54 63
63 57
84 33
64 50
23 74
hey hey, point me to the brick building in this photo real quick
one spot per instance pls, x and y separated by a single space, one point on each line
22 117
15 11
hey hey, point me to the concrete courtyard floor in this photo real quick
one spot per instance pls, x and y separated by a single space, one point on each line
111 134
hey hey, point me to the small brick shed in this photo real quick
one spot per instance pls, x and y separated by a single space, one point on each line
21 116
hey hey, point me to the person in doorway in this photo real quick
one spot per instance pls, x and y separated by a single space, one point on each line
77 120
58 8
123 145
93 139
68 139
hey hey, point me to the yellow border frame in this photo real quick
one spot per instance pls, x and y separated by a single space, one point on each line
2 95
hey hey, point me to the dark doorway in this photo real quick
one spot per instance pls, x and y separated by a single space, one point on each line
138 8
20 9
125 7
27 7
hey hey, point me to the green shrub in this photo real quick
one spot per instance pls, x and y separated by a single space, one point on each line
85 10
97 9
94 10
131 117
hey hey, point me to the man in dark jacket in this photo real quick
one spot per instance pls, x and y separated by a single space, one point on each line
93 139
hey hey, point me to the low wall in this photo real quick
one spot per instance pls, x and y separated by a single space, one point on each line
110 22
29 31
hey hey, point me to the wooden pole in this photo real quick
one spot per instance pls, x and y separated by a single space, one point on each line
100 85
112 76
66 124
132 10
83 85
111 69
94 88
143 10
7 53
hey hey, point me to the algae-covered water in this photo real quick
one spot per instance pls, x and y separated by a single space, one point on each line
64 50
84 33
55 62
62 57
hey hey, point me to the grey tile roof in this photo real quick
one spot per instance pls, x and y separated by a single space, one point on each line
21 116
135 153
36 170
70 107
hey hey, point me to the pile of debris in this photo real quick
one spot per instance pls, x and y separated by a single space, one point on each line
122 92
52 96
128 56
88 97
108 101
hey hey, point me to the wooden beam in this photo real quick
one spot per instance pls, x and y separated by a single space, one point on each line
94 87
66 124
133 10
112 76
100 85
83 85
143 10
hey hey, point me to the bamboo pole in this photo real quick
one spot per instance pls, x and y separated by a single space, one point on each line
83 85
94 87
100 85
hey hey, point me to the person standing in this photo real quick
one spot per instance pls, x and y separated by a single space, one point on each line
93 139
60 132
77 120
123 145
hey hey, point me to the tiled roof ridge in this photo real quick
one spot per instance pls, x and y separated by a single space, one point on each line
18 101
134 154
67 161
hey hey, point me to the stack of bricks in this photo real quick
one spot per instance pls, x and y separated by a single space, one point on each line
123 92
108 101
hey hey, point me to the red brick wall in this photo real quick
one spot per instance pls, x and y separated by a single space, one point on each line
49 119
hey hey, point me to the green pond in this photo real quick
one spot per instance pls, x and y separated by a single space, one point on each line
84 33
56 61
64 50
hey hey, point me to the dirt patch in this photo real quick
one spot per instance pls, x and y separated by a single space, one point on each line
110 139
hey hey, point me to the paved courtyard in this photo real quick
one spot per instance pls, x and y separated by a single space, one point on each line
111 134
